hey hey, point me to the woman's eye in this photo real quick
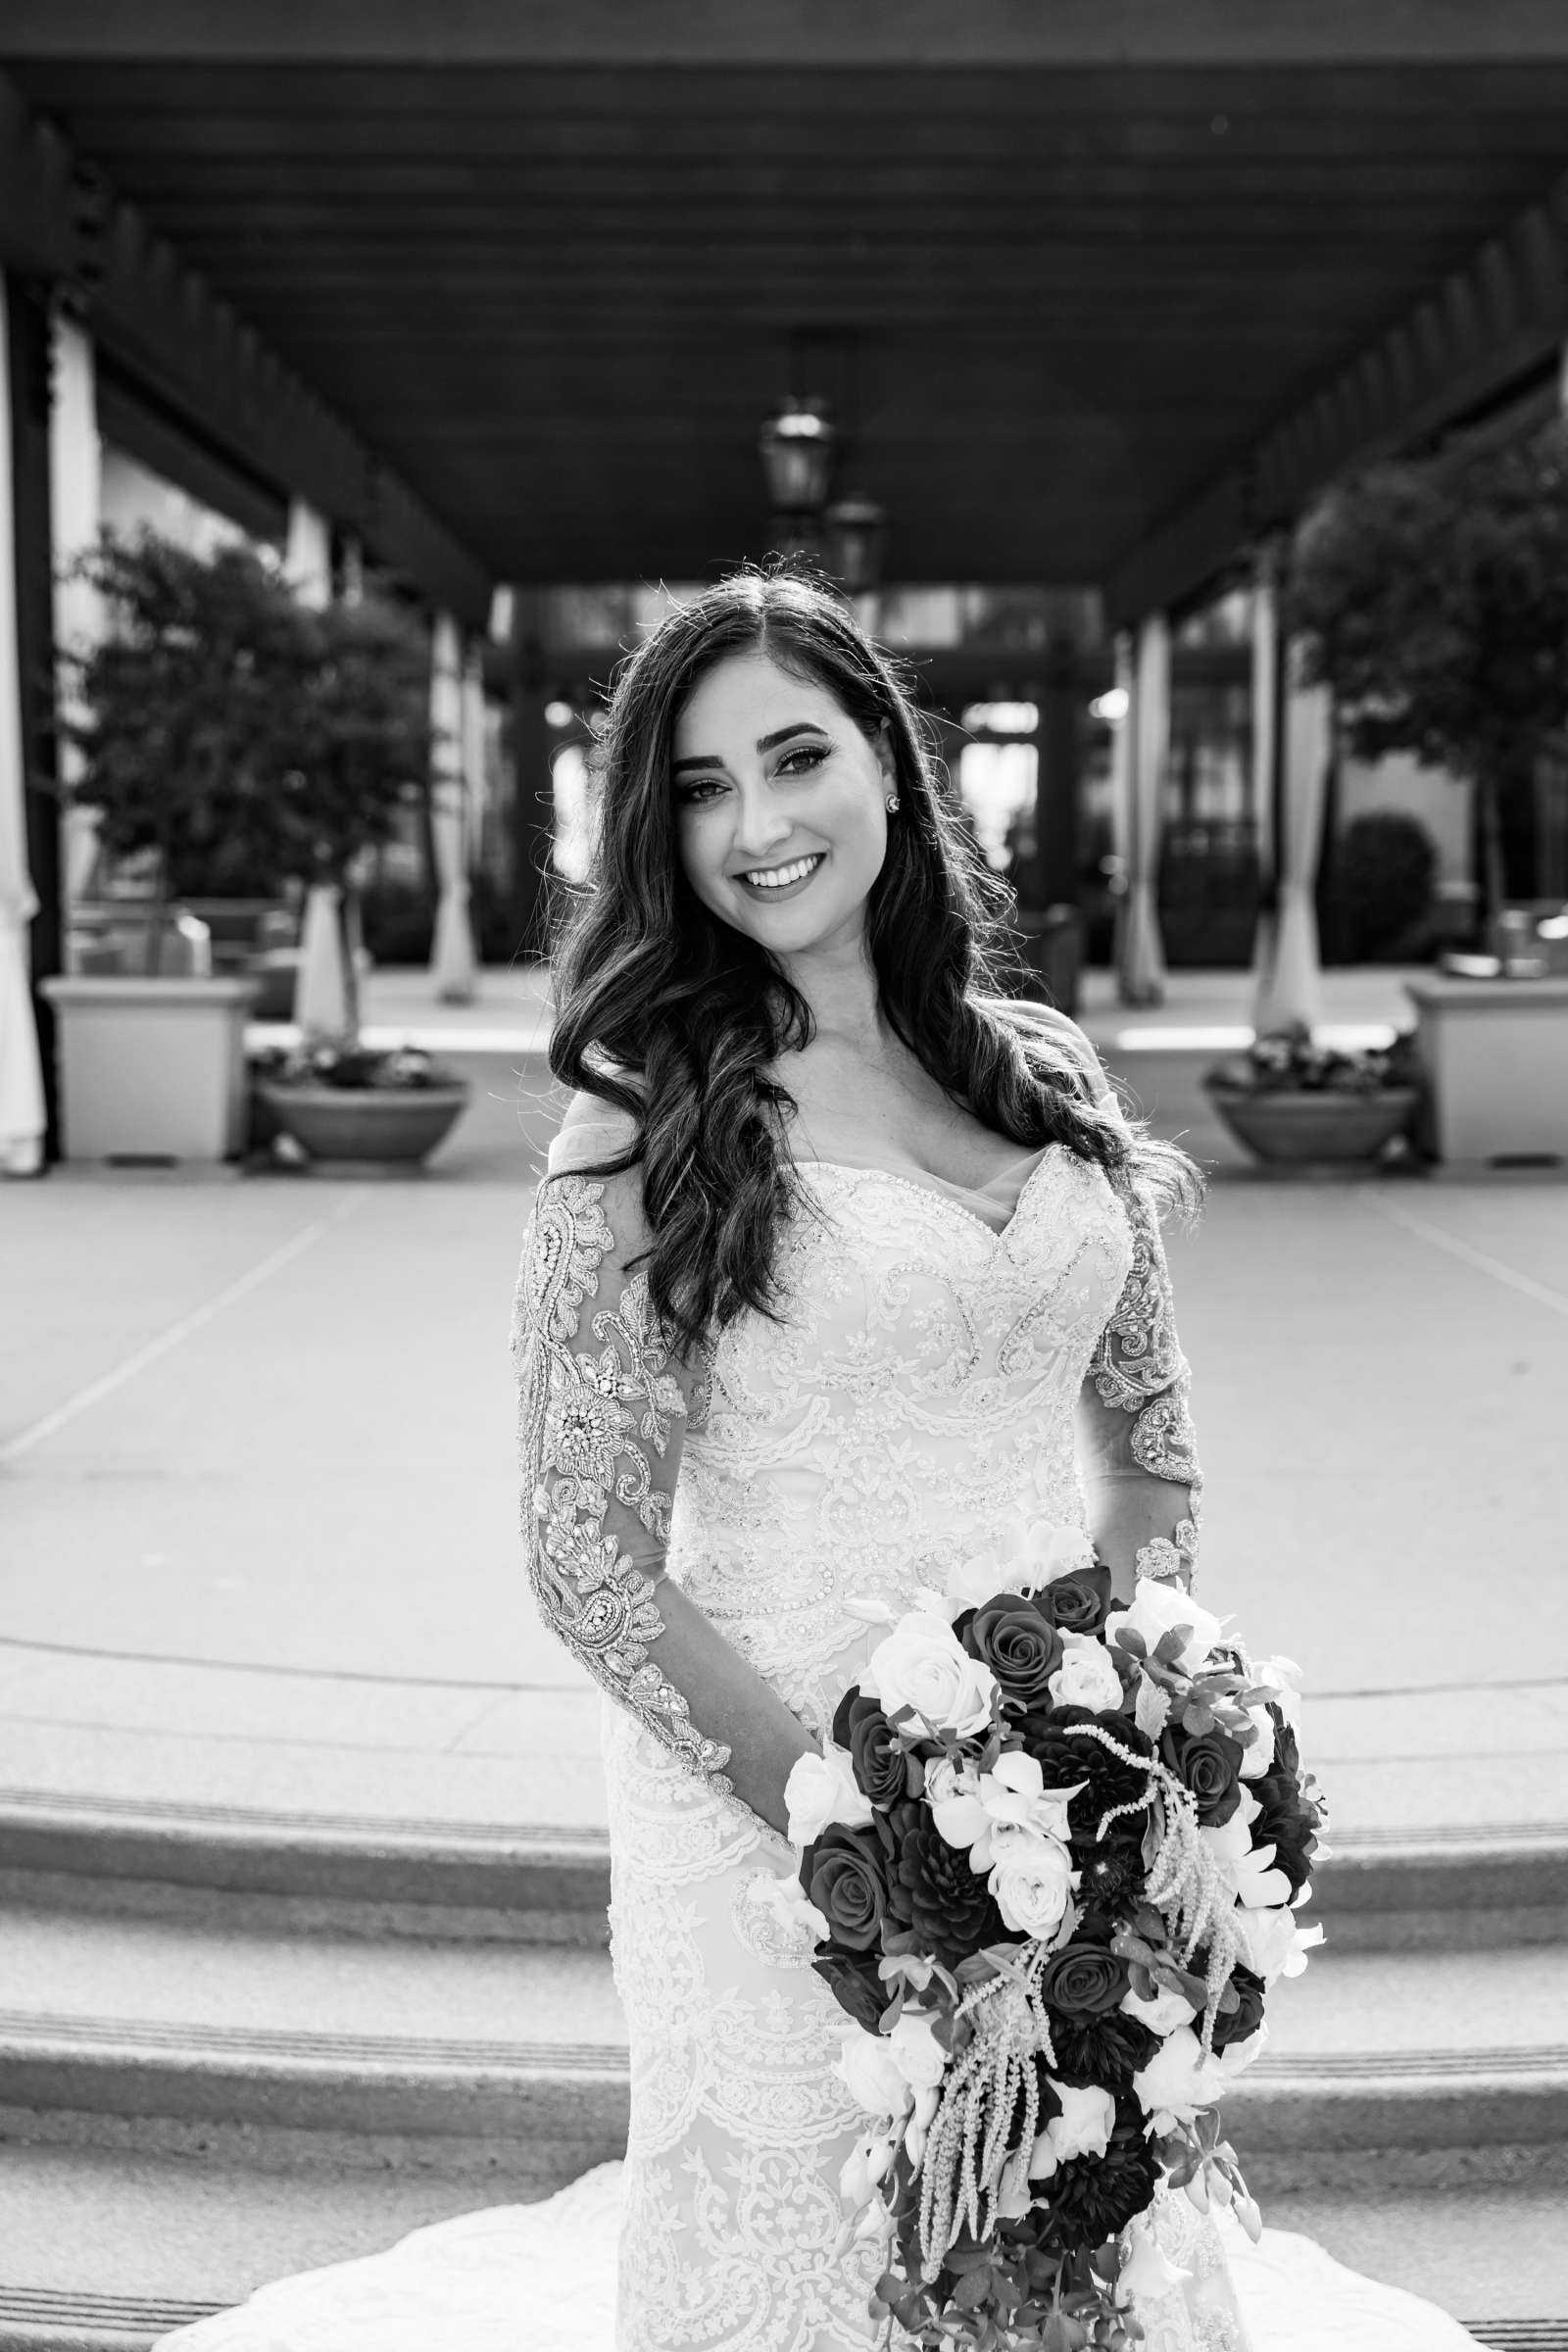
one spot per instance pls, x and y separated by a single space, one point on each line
800 763
693 795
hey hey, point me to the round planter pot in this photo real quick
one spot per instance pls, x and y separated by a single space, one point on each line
364 1123
1304 1127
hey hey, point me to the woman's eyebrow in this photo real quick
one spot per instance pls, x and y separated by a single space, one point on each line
764 743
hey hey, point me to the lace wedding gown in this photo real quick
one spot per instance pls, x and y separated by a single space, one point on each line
921 1393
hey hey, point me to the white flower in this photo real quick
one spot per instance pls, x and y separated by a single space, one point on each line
865 2165
1167 2010
821 1790
787 1899
926 2102
918 2055
1274 1944
1148 2274
1157 1609
1086 1677
1283 1676
1237 2056
1031 1553
1058 1551
968 1808
1084 2127
1179 2081
1246 1869
874 2079
1258 1755
1032 1878
922 1665
1013 2198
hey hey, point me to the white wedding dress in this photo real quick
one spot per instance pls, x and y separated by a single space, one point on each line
921 1393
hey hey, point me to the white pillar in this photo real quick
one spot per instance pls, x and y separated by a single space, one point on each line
1266 712
474 778
308 556
21 1104
1142 957
453 964
1293 988
76 505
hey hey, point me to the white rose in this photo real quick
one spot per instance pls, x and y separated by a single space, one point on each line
1003 1567
1084 2127
1086 1677
1157 1609
1237 2056
918 2055
1167 2010
821 1790
1283 1678
872 2075
922 1665
1179 2081
1032 1878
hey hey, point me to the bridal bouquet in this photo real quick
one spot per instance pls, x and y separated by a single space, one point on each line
1051 1858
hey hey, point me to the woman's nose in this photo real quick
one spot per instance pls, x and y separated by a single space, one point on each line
762 824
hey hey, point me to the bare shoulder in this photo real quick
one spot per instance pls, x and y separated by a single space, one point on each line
1057 1029
584 1110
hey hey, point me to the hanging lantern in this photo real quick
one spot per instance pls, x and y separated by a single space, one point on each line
797 446
855 530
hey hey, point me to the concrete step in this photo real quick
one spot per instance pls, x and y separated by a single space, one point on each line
341 1872
326 2051
103 2252
1464 1889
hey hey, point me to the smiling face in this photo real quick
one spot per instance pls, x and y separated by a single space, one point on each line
780 805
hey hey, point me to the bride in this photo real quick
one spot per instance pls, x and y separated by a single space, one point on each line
843 1264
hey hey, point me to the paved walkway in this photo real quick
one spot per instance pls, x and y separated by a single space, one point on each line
259 1510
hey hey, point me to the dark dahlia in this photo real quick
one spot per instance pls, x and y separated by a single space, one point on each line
949 1906
1107 1782
1093 2197
1288 1823
1241 2023
1111 1887
1106 2050
856 1986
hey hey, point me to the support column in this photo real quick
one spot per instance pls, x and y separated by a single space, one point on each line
23 1118
308 556
75 498
1294 990
534 797
453 962
1265 698
1142 975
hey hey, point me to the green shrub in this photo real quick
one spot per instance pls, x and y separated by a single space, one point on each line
1383 874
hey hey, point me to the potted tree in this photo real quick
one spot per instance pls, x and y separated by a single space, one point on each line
1431 598
181 715
1292 1102
361 739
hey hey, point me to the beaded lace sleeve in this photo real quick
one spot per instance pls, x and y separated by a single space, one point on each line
597 1408
1138 1370
603 1405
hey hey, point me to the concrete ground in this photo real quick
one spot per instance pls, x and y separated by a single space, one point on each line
259 1507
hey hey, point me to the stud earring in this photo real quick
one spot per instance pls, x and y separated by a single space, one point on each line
893 802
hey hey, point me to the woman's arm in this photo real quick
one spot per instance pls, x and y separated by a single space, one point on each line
602 1410
1136 1442
1135 1428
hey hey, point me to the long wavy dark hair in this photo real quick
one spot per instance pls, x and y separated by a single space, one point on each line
675 1017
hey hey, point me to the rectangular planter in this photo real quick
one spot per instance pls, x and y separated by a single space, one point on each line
152 1069
1495 1052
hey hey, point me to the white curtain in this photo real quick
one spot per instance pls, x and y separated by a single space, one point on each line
1292 988
1143 958
453 964
22 1106
1265 661
76 505
322 1001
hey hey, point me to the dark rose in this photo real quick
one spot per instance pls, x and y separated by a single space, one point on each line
1241 2023
1013 1639
842 1873
1083 1980
1288 1823
1106 2050
1211 1767
1093 2197
949 1906
1108 1782
1078 1603
875 1749
856 1986
1111 1885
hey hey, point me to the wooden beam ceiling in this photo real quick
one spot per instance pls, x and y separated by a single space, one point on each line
1066 305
